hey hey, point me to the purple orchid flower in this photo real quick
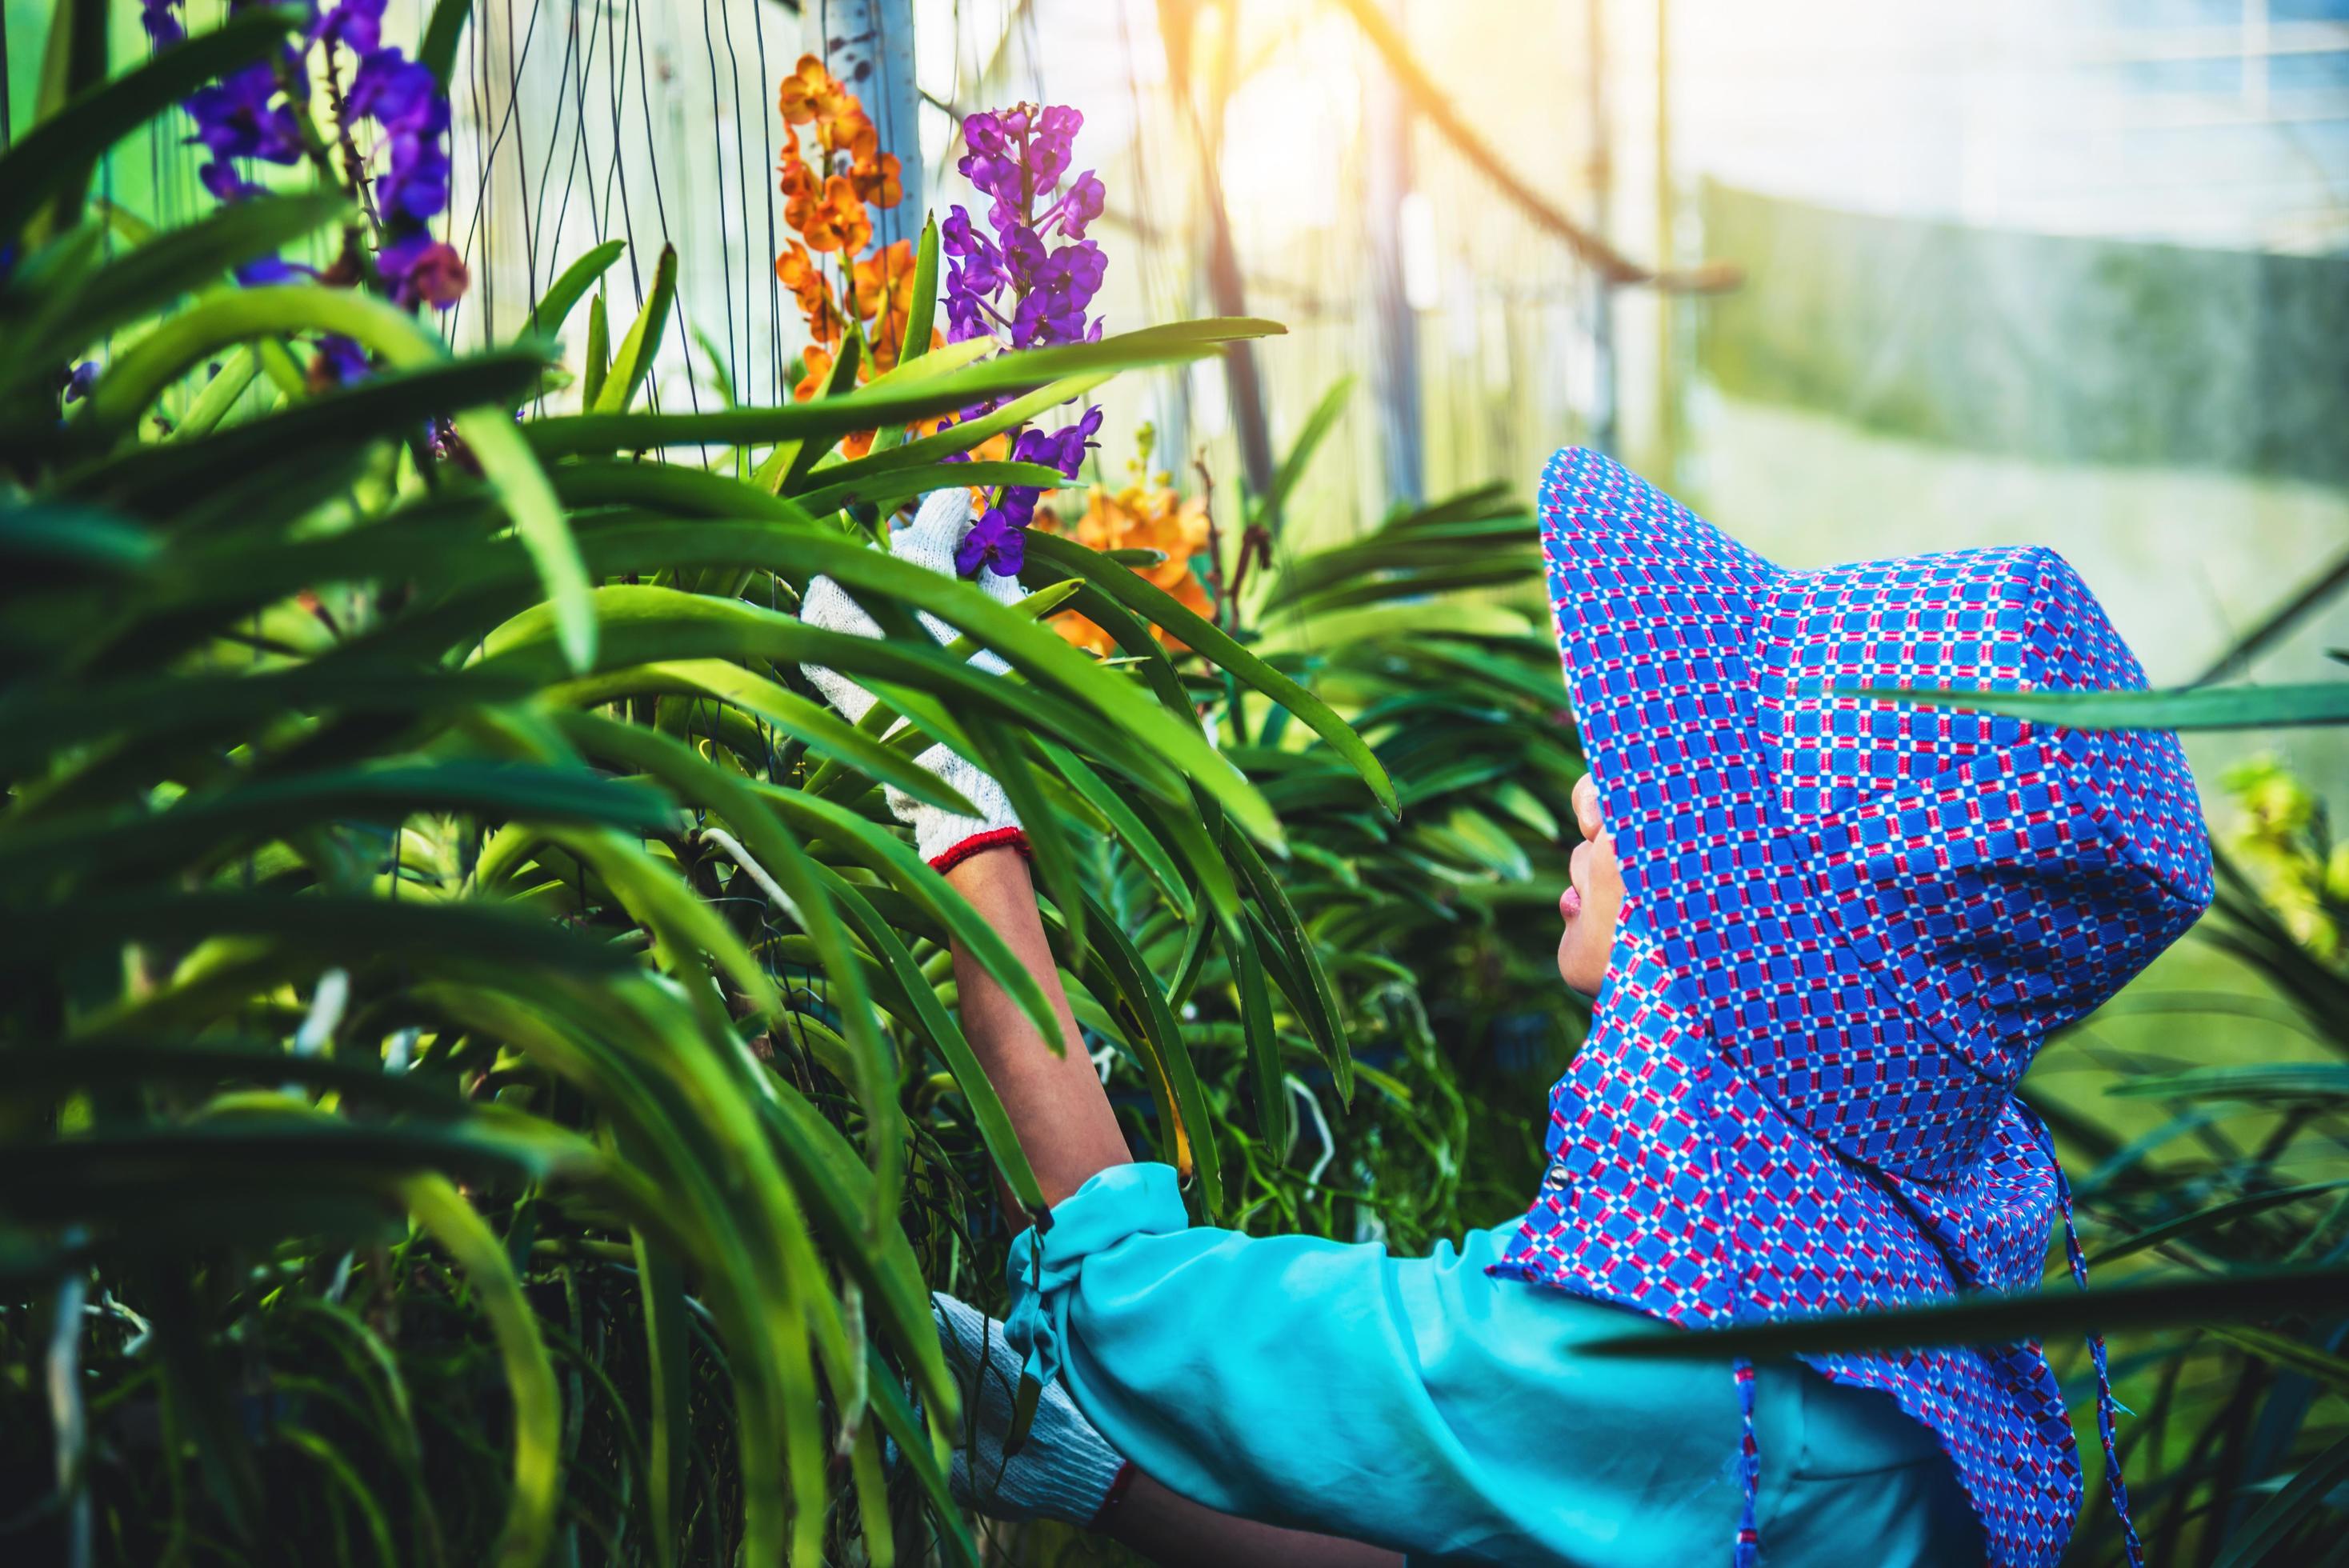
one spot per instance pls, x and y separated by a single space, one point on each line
978 262
235 117
965 317
1086 200
406 100
994 541
345 361
227 184
264 270
247 115
422 270
1023 284
416 186
161 20
394 91
356 24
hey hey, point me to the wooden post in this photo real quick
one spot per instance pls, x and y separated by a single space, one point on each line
869 46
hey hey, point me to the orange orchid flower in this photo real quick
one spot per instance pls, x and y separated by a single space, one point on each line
826 205
1138 519
809 92
881 286
800 272
885 280
849 131
815 369
796 271
800 188
841 222
880 180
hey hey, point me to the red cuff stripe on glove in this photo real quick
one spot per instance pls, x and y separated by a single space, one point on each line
1123 1479
1015 837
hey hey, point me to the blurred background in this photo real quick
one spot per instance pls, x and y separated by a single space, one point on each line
1853 279
2069 271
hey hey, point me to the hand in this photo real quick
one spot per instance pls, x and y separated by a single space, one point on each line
1065 1470
943 837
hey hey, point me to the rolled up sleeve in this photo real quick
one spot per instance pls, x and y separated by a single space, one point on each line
1282 1379
1423 1404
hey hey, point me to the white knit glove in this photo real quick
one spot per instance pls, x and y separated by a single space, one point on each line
1065 1470
942 837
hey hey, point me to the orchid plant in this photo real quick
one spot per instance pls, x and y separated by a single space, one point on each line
1147 514
259 113
828 201
519 1031
1018 284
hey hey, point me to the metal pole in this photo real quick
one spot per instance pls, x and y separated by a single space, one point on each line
869 46
1226 291
1667 382
1604 434
1394 325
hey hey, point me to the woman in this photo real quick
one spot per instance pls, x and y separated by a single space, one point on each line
1825 933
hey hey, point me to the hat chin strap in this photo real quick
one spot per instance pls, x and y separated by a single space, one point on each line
1749 1469
2105 1401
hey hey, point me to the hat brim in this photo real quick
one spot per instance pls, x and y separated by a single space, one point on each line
1660 621
1708 1164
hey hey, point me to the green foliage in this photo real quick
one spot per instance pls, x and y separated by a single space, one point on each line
485 1079
2217 1232
2233 1190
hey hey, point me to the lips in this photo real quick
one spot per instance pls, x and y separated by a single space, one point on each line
1577 870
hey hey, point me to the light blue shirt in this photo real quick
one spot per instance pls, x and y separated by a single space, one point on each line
1419 1404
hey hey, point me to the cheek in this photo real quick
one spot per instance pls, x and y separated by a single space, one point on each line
1582 948
1606 893
1587 946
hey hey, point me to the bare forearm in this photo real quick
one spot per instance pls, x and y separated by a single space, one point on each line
1175 1532
1066 1127
1056 1103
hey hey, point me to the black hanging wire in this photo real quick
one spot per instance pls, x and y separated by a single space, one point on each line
742 206
514 61
616 76
767 163
546 163
477 74
580 156
718 165
487 142
660 212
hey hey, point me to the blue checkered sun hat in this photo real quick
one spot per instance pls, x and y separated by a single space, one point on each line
1848 925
